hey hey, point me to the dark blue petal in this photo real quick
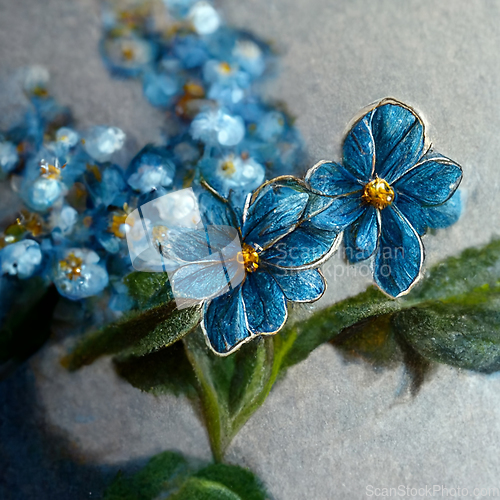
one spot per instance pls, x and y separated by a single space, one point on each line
342 212
305 246
436 217
301 286
275 209
214 209
331 179
446 214
398 133
265 303
400 254
359 149
414 212
361 237
431 181
224 322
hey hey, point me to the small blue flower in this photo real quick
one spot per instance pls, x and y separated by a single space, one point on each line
204 18
128 54
280 251
106 184
216 127
21 258
101 142
42 185
150 169
232 172
78 275
389 189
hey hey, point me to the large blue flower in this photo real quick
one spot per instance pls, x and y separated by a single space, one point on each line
280 251
389 189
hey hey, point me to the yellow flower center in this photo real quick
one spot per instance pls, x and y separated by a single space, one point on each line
72 266
249 258
51 171
228 168
378 193
118 220
128 53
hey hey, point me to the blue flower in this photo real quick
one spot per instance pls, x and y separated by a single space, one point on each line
22 258
216 127
232 172
128 54
150 169
280 251
101 142
389 189
78 275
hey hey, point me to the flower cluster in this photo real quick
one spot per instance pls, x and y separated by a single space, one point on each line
203 74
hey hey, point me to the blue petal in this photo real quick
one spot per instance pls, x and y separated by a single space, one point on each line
265 303
414 212
332 179
446 214
431 181
306 246
186 244
342 212
275 209
398 133
400 254
361 237
436 217
214 209
302 286
359 149
224 322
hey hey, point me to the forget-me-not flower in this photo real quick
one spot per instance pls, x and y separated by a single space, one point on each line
389 189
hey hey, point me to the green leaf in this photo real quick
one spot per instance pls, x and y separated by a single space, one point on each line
457 334
450 317
27 326
137 334
148 289
170 475
221 482
163 472
162 372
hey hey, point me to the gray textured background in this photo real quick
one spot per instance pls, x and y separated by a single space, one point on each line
330 428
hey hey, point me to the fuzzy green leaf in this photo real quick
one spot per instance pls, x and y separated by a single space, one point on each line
170 475
137 334
163 472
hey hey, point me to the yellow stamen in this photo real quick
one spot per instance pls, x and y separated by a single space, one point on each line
378 193
51 171
225 68
72 266
228 168
128 53
118 220
249 258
